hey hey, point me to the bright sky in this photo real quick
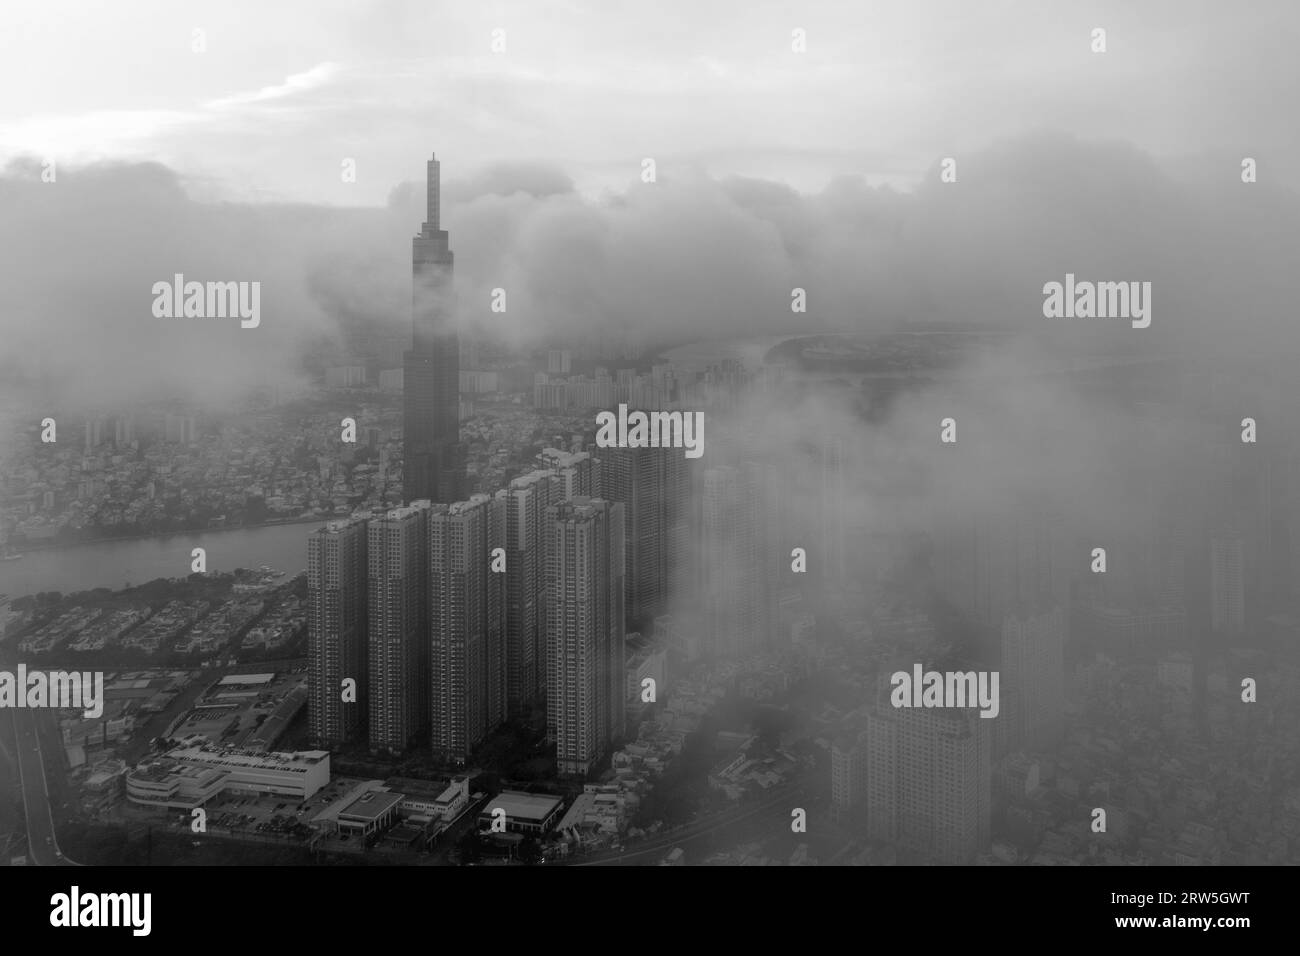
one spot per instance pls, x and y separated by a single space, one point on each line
283 92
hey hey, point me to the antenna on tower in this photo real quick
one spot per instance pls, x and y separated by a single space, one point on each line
433 190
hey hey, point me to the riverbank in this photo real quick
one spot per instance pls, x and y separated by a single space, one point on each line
40 548
119 562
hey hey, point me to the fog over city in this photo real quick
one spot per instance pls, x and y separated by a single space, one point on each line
1131 170
834 231
689 258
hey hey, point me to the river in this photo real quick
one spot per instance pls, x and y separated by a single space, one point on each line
115 564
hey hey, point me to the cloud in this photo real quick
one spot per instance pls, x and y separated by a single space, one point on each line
318 76
82 254
686 258
691 256
505 179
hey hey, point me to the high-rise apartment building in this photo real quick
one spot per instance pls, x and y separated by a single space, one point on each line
467 657
397 604
570 475
576 472
336 628
584 574
929 781
525 503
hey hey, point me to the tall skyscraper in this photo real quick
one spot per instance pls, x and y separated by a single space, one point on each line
336 627
433 466
397 603
584 575
1032 679
467 658
929 781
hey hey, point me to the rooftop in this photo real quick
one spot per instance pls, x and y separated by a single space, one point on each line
371 805
523 806
246 680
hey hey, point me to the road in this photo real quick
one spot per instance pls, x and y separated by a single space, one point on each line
42 842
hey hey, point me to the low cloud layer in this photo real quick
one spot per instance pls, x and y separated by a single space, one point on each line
684 258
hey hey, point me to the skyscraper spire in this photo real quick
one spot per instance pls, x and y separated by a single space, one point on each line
433 459
431 224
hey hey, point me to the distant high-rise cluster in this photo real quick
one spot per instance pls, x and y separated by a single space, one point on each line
450 619
442 619
434 623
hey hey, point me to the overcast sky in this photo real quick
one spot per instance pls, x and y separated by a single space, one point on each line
284 91
776 169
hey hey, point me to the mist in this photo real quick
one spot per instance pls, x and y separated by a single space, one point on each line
684 258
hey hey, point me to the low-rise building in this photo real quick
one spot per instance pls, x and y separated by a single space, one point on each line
191 775
524 812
